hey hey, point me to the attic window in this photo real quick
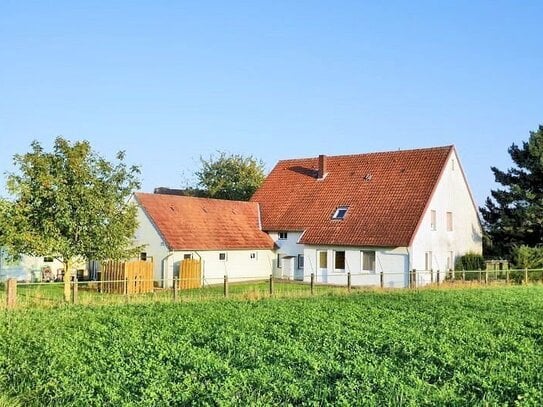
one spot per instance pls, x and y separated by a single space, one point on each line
340 213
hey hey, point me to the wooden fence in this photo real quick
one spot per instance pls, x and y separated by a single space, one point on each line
133 277
190 274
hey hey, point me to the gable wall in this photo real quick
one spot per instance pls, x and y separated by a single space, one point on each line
451 195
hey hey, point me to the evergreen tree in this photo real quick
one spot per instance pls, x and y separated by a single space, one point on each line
514 214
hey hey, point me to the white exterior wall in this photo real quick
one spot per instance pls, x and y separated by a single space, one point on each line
29 268
146 235
238 265
392 262
451 195
286 247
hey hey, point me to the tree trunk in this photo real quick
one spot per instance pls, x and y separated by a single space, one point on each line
67 277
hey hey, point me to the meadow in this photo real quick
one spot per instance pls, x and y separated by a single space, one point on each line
478 346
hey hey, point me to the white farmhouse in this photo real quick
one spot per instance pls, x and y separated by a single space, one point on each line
224 235
370 214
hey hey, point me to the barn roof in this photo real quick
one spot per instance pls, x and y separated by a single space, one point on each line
188 223
385 195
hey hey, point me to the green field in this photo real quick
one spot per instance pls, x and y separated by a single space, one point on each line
429 347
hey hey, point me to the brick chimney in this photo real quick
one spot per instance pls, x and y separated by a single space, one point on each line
321 172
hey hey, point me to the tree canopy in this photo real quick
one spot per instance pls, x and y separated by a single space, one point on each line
69 203
514 214
230 176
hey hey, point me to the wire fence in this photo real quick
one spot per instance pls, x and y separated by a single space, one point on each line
15 294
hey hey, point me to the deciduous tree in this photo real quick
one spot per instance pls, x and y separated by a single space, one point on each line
230 176
70 203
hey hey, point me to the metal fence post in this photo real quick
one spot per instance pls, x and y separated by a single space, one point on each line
225 287
271 284
349 281
312 283
431 276
463 275
382 279
11 297
486 276
437 276
526 276
507 276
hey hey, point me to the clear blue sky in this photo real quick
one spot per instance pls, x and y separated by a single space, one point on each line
170 81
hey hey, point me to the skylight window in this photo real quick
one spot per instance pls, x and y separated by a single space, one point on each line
340 212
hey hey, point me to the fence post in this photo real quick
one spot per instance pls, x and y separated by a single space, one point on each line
125 286
312 283
175 288
453 275
74 289
463 275
225 288
526 276
349 281
431 276
271 284
437 276
486 276
507 276
480 276
382 279
11 297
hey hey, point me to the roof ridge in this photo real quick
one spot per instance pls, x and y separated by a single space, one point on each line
184 197
421 149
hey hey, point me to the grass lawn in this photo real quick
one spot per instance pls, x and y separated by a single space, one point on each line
429 347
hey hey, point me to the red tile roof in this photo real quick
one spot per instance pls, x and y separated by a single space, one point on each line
386 193
188 223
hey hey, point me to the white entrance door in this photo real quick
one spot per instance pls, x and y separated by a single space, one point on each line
323 266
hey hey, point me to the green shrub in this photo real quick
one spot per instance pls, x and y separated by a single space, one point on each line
470 261
528 257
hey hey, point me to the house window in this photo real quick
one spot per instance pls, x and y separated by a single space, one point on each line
300 261
323 260
252 255
428 261
143 256
368 260
433 218
339 261
278 260
450 261
47 259
222 256
187 256
283 235
449 221
340 213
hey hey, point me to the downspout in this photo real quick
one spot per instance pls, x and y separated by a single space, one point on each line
203 270
409 265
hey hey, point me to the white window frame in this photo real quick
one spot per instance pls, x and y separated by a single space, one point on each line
450 221
340 209
433 219
301 257
363 254
428 261
338 270
283 235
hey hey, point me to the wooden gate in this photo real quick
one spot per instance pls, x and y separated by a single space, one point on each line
132 277
190 274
